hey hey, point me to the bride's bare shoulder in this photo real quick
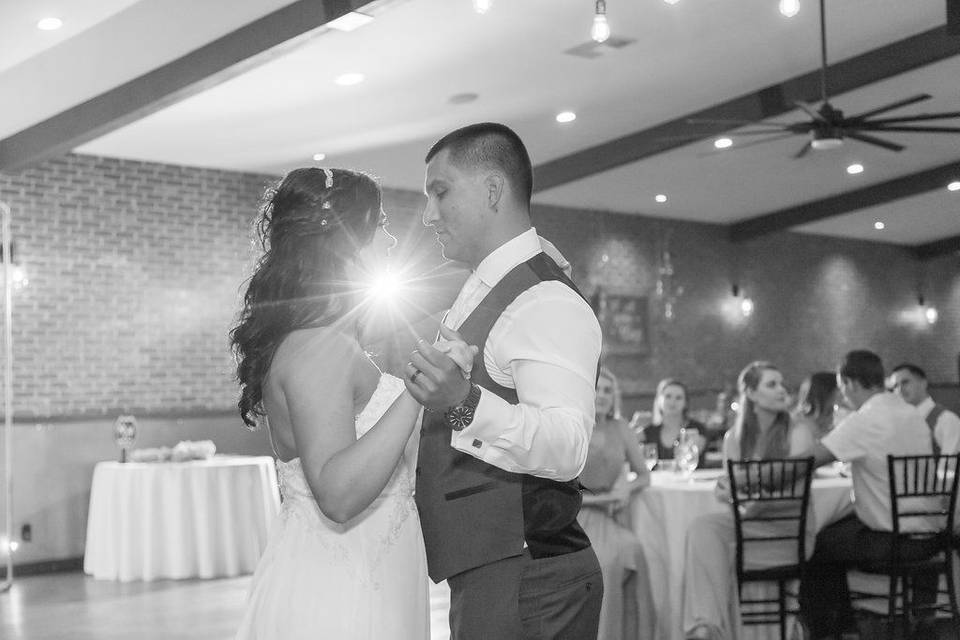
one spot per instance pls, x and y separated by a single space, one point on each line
317 352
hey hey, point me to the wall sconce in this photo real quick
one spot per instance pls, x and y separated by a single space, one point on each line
746 303
19 274
930 313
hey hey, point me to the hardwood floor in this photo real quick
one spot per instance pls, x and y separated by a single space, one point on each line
75 606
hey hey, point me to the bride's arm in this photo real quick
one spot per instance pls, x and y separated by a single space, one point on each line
345 474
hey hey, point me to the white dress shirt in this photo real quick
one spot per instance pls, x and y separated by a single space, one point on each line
884 424
545 345
947 430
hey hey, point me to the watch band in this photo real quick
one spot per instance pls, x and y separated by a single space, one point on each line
459 417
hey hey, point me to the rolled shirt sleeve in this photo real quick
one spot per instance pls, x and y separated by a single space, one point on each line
546 345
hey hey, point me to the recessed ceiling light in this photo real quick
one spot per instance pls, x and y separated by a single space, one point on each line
954 186
789 8
723 143
350 21
671 1
482 6
878 225
319 157
855 169
348 79
566 116
660 198
49 24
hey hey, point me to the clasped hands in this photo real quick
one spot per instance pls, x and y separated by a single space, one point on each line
438 375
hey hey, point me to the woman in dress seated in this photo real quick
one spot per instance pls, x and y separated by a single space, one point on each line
670 417
627 610
763 430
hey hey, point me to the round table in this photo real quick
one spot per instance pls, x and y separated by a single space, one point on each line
197 519
662 513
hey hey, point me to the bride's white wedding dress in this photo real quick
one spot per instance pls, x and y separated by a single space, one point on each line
365 579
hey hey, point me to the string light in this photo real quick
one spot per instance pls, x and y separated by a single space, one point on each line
600 30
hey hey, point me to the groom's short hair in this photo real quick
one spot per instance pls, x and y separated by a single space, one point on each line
490 144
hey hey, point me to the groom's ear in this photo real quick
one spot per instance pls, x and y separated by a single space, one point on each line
494 184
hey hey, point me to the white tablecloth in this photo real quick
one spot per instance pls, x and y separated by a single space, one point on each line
662 513
201 519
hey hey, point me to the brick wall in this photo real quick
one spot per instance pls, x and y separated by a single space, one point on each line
135 273
815 298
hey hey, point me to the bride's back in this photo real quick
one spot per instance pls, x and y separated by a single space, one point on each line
318 355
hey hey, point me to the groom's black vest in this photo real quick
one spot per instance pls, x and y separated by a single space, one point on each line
472 512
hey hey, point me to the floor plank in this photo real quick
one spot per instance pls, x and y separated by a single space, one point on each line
75 606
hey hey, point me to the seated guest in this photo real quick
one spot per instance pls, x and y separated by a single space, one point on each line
815 402
882 423
711 608
627 610
669 417
910 381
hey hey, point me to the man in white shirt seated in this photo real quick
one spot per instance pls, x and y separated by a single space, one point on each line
910 381
882 424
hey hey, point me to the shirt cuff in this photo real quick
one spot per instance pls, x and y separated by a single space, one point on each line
491 414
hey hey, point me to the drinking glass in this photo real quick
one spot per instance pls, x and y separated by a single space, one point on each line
688 457
651 455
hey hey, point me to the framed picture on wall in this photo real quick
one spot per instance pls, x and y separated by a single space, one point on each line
624 321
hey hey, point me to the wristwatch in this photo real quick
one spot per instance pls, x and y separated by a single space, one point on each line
460 416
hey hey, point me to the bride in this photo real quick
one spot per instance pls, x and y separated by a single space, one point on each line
345 557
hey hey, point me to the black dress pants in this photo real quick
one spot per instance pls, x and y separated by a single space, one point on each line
849 544
522 598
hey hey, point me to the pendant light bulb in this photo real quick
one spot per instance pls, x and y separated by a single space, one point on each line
600 30
482 6
789 8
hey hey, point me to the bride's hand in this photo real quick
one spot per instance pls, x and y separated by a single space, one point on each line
456 349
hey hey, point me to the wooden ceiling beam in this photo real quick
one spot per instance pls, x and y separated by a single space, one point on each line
869 196
186 76
870 67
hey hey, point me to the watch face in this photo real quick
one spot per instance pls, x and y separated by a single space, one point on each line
459 417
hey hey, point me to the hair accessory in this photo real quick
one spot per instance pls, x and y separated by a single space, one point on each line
329 181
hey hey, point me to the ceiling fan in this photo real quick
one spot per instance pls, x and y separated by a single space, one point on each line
828 126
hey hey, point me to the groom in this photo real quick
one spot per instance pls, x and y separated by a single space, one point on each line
500 453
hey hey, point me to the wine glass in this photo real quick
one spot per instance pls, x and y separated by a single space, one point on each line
688 457
651 455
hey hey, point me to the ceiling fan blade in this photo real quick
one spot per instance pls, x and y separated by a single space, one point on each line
810 111
804 150
733 121
890 107
916 118
910 129
862 137
773 138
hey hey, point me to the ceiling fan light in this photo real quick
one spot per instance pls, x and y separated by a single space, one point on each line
954 186
822 144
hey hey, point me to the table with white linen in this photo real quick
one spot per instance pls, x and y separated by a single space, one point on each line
196 519
662 513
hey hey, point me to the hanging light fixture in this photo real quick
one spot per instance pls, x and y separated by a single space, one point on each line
600 30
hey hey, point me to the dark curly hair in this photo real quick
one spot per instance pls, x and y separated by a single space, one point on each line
309 233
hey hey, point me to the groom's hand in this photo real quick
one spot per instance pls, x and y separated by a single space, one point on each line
434 379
